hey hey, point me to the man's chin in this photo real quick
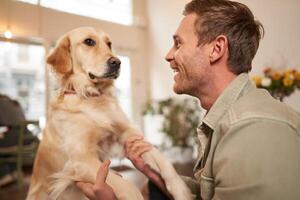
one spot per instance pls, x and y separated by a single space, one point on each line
178 90
183 90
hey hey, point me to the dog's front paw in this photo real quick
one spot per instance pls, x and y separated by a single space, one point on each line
176 186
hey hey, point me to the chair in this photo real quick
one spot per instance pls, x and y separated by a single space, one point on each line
20 153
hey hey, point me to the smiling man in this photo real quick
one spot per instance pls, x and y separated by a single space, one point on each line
250 143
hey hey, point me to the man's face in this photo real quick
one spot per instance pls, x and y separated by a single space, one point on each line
189 61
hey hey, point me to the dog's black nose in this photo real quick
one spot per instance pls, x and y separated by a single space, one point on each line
114 63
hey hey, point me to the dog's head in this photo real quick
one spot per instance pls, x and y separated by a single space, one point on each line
85 51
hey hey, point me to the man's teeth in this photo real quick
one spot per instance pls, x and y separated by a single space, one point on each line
175 70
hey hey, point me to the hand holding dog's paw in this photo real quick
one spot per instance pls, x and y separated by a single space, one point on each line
135 147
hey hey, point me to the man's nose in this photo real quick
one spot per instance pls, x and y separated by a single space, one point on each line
170 55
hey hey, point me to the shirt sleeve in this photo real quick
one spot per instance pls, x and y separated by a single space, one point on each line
258 159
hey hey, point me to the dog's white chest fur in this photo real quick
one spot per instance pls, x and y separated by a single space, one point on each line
96 115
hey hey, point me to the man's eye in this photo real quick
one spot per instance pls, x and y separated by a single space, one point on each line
176 44
90 42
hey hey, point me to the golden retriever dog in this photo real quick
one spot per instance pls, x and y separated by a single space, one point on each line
84 121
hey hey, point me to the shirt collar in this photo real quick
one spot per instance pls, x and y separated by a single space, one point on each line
225 100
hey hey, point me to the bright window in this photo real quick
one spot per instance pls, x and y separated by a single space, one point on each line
118 11
22 76
123 86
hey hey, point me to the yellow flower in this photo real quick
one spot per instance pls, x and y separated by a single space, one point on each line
256 80
289 70
287 81
289 74
276 76
297 75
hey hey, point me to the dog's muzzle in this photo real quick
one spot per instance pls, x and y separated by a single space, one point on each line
113 64
113 71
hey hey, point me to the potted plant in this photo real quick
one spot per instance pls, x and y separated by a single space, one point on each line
180 118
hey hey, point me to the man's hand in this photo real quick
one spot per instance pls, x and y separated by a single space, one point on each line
135 147
100 190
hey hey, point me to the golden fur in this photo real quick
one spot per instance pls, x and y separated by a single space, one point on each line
82 120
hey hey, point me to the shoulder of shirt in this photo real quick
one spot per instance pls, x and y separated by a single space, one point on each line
257 104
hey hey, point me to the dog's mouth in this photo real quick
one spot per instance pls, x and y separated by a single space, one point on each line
112 75
109 75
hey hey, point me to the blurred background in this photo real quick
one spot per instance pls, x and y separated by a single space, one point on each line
141 33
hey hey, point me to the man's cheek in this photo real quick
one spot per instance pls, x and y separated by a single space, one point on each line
179 58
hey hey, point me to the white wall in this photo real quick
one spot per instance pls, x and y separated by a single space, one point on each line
280 46
163 19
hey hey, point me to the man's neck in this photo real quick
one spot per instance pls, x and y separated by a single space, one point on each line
209 95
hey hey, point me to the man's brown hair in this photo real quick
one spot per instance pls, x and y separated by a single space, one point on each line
236 22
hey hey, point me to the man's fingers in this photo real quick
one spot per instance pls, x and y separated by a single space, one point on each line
136 145
87 189
137 159
139 145
102 173
139 152
133 138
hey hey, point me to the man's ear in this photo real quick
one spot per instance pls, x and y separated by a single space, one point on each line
219 48
60 57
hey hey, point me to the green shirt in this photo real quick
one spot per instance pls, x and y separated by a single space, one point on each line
252 147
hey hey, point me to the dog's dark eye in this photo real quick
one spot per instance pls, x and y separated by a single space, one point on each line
109 44
90 42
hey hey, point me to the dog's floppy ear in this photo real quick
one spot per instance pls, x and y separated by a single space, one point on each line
60 57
